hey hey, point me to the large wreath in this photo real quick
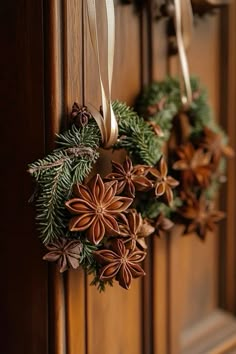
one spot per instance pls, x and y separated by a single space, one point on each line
100 222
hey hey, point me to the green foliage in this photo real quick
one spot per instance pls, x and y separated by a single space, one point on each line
55 188
169 92
136 136
87 136
160 102
56 174
86 258
152 208
100 284
155 93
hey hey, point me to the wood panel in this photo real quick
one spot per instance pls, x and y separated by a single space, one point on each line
23 293
160 246
194 266
72 81
115 317
228 75
54 108
48 64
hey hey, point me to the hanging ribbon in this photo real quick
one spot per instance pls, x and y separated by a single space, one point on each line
107 122
183 26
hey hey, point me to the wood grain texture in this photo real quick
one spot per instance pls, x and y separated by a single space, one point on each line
194 267
23 294
54 67
148 300
57 312
76 312
215 334
115 318
75 301
54 112
158 52
228 75
160 296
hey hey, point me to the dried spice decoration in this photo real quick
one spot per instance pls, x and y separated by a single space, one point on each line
161 224
80 115
129 177
194 164
96 208
135 229
120 263
200 216
163 183
96 222
65 252
197 147
213 143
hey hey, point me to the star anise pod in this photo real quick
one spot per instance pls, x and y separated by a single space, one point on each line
195 165
96 207
163 183
200 216
212 142
120 263
156 107
134 229
80 115
129 177
65 252
161 224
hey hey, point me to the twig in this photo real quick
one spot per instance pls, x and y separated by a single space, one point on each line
73 152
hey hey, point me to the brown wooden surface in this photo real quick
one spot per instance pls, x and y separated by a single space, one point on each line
76 326
229 75
115 317
187 302
199 271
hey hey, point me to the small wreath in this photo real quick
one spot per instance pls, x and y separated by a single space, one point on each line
99 222
197 148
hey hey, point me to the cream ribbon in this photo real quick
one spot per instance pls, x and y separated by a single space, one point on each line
183 26
107 123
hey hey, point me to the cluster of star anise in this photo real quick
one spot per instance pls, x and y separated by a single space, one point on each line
197 165
104 211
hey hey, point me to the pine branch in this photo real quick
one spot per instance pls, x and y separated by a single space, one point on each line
55 188
60 158
136 136
87 136
57 173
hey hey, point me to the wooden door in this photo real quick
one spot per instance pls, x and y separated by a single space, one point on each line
186 303
202 274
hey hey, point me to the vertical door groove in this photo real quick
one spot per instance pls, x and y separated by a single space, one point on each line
54 83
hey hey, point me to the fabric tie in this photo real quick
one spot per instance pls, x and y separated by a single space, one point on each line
184 26
107 122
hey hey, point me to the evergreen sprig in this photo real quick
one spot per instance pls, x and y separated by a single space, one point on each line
136 136
56 174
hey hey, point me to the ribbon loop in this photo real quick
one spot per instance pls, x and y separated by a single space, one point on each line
183 26
107 123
